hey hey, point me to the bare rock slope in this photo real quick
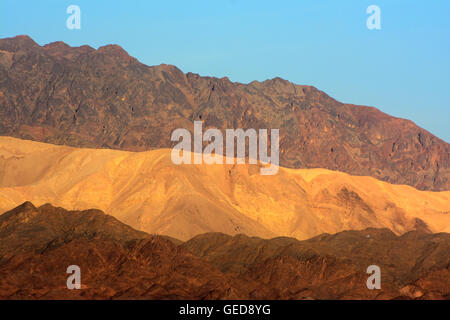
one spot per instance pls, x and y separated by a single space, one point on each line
118 262
106 99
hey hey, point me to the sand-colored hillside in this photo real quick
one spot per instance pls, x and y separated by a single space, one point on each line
147 191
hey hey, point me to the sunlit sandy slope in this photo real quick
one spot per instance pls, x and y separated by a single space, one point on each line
147 191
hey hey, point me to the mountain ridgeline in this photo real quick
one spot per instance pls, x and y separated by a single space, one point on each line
118 262
104 98
147 191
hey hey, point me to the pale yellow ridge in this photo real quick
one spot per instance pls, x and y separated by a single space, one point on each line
147 191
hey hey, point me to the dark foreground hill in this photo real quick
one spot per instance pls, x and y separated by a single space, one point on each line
38 244
106 99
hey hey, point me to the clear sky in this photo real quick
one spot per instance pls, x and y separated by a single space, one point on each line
402 69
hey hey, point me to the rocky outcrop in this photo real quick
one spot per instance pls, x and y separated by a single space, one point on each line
116 262
106 99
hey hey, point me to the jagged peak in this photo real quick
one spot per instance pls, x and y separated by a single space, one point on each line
25 209
57 44
169 67
64 46
20 42
27 205
23 37
113 49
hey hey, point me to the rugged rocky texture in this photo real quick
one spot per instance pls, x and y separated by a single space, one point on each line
106 99
118 262
148 192
415 265
27 228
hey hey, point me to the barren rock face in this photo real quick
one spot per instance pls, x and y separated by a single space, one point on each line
115 260
413 266
105 98
118 262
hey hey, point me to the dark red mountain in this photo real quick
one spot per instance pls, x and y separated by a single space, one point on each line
117 262
106 99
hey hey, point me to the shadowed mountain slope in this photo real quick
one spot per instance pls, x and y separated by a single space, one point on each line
403 260
28 228
118 262
106 99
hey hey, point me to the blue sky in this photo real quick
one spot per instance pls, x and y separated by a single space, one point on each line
402 69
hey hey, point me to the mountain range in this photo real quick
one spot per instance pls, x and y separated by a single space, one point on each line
147 191
87 179
116 262
104 98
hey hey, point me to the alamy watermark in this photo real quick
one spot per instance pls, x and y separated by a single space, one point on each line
74 20
374 281
74 280
374 20
213 152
